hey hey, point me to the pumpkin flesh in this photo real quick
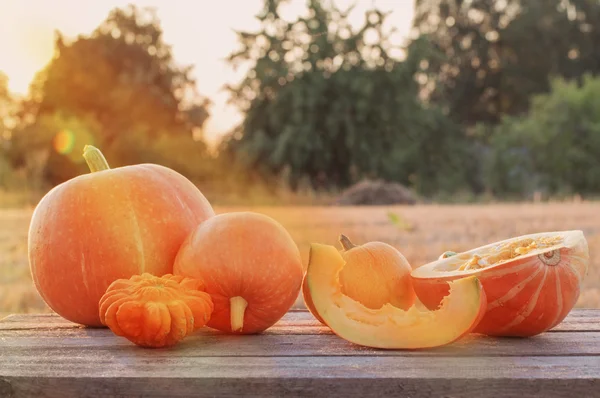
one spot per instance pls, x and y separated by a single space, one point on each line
531 282
389 326
375 274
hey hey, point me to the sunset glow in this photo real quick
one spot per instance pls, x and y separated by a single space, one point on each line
201 33
63 142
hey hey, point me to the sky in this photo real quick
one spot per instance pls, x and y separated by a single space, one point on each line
201 34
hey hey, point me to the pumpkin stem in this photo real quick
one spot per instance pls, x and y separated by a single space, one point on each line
345 242
94 159
237 309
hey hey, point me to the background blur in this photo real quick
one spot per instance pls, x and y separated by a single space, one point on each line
460 122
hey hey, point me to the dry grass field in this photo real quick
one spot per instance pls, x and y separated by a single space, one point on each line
422 233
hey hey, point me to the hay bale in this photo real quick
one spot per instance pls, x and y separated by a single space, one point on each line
376 192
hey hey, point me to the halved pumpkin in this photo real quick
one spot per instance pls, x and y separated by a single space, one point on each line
389 326
531 282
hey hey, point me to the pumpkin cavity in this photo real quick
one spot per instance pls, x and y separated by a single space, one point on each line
508 251
531 282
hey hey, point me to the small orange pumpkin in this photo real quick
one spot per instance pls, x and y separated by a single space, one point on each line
155 311
251 267
374 274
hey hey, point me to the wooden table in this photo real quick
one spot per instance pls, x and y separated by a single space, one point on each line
46 356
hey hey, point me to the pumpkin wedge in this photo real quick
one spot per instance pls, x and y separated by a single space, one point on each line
389 326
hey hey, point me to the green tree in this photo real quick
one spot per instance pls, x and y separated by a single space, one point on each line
6 105
5 109
118 88
331 104
499 53
554 148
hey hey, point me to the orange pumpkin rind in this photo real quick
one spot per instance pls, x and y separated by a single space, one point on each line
153 311
531 281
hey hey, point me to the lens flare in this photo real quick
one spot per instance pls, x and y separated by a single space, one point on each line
64 142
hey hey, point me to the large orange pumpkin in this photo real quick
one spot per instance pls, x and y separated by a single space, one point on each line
107 225
250 266
531 282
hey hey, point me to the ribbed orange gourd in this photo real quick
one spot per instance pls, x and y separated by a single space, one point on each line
106 225
375 274
531 282
251 268
155 311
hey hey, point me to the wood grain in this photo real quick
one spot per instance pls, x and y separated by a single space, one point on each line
81 342
46 356
578 320
305 376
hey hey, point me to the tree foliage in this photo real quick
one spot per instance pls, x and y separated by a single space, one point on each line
325 104
331 104
500 53
6 106
553 149
118 88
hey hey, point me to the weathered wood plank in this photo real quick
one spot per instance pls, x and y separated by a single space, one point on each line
297 387
302 376
579 320
85 342
46 356
74 330
313 367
